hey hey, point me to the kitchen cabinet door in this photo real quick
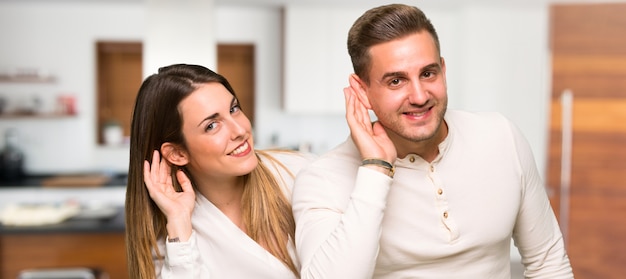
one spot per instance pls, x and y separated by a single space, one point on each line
102 251
589 60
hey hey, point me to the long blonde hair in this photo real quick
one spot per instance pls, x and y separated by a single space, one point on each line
267 212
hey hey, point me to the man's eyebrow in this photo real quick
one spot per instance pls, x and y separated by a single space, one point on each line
392 74
432 66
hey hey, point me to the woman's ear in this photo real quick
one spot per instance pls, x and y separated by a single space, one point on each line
174 154
358 85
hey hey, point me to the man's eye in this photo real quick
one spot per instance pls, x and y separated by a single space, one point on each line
394 82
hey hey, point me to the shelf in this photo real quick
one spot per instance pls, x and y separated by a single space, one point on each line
26 79
34 116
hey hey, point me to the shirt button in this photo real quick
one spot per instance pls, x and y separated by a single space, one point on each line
445 214
432 168
439 191
412 159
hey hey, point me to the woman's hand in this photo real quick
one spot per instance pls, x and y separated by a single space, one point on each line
177 206
370 138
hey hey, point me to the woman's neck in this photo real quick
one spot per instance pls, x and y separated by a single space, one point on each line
226 196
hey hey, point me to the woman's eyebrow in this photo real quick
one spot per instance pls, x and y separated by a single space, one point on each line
212 116
216 115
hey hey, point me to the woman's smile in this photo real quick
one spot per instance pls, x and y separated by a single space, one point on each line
241 150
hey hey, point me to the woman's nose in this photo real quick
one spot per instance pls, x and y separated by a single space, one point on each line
237 128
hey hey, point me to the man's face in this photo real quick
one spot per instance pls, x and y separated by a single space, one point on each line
407 89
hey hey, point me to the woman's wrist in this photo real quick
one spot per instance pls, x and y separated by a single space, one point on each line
178 229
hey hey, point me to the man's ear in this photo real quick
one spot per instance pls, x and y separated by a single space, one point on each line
443 70
360 88
174 154
443 64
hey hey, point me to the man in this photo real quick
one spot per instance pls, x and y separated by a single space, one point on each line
423 192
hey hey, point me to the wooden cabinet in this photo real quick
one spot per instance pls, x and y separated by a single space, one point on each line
102 251
589 59
96 243
317 64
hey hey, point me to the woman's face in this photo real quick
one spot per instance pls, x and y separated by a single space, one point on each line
218 134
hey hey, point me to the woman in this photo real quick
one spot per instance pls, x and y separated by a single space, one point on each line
201 202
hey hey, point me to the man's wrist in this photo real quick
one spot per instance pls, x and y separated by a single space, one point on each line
380 165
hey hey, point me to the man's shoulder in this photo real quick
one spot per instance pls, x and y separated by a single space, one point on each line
468 119
343 156
459 115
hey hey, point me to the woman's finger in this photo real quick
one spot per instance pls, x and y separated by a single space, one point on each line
184 181
154 167
146 173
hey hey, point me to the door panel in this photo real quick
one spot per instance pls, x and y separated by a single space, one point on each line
236 63
119 78
589 58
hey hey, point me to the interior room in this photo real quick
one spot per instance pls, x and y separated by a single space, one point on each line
70 125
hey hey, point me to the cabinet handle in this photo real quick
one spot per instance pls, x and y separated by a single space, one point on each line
567 102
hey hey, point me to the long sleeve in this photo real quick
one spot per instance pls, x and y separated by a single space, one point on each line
338 219
182 260
537 234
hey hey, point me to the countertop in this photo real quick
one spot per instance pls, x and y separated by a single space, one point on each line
29 190
40 179
114 223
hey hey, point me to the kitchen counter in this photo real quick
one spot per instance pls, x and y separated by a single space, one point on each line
114 223
40 180
101 206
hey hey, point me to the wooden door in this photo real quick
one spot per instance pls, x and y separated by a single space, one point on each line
236 63
588 44
119 78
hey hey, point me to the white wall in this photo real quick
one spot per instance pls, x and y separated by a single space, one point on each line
60 38
178 33
497 59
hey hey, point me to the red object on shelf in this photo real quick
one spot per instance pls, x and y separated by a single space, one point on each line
67 104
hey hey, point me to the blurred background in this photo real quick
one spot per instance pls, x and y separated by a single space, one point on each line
69 72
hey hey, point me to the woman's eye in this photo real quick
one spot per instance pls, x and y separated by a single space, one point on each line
235 108
210 126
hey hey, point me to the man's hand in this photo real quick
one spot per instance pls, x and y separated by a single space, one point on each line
370 138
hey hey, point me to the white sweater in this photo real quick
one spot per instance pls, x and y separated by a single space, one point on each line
452 218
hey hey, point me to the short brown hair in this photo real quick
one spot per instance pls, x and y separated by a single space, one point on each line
383 24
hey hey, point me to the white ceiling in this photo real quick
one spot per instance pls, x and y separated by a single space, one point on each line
445 3
359 3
